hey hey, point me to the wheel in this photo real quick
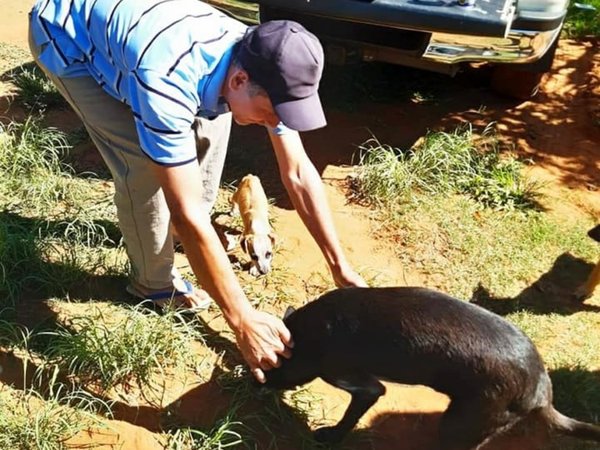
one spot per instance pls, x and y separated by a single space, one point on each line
523 81
516 83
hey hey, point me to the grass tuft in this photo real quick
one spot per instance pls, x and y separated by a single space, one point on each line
74 238
581 23
32 168
121 349
37 181
28 421
36 91
455 162
221 436
459 246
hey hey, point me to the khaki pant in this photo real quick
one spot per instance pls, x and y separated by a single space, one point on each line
144 218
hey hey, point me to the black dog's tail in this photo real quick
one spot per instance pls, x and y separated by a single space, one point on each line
565 425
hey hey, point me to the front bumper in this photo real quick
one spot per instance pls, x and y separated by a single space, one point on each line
518 47
440 48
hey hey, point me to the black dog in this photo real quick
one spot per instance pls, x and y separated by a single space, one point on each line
491 371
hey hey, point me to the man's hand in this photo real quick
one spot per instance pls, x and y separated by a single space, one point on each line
262 339
347 277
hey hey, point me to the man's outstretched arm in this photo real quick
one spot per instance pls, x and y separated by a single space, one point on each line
261 337
305 188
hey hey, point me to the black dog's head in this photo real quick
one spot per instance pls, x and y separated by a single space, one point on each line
297 370
292 373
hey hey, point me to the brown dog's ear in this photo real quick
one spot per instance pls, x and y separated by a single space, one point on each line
244 244
288 312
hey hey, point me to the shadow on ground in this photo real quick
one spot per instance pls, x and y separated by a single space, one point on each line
553 292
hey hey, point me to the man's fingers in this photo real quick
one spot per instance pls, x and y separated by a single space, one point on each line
286 353
265 339
258 374
270 360
285 336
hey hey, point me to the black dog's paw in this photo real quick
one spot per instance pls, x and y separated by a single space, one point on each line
580 297
328 435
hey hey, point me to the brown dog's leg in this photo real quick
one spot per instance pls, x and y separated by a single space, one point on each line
365 390
587 289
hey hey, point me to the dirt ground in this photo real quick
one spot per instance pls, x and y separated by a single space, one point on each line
559 131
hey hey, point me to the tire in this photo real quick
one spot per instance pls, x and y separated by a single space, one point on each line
515 83
523 81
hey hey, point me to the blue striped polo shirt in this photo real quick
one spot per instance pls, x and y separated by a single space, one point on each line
166 59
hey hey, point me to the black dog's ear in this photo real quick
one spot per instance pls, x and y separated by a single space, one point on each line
288 312
594 233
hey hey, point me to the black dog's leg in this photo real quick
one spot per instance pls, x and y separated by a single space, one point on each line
365 390
469 423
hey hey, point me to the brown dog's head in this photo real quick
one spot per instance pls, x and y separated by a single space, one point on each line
260 249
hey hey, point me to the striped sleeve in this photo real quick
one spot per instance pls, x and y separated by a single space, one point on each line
164 108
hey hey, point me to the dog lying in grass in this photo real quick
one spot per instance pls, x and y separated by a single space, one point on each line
587 289
250 201
491 371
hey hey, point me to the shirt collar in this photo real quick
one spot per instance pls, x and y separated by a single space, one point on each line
211 101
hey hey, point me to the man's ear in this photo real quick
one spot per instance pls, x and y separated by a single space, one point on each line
238 79
288 312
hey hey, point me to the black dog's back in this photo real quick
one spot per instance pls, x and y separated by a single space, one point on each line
412 336
491 371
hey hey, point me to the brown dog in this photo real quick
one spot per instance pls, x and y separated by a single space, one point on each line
587 289
492 372
250 201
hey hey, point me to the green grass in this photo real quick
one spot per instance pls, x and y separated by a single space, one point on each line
50 257
35 178
35 90
28 421
56 226
460 246
267 414
583 23
445 163
221 436
121 347
456 205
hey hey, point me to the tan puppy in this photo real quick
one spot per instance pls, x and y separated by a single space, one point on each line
250 201
587 289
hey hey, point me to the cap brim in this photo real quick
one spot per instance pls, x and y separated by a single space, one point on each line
302 115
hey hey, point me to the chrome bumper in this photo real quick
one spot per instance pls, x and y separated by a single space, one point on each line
518 46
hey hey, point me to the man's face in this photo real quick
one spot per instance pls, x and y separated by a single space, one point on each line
248 109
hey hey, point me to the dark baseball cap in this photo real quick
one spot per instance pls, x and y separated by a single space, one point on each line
286 60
